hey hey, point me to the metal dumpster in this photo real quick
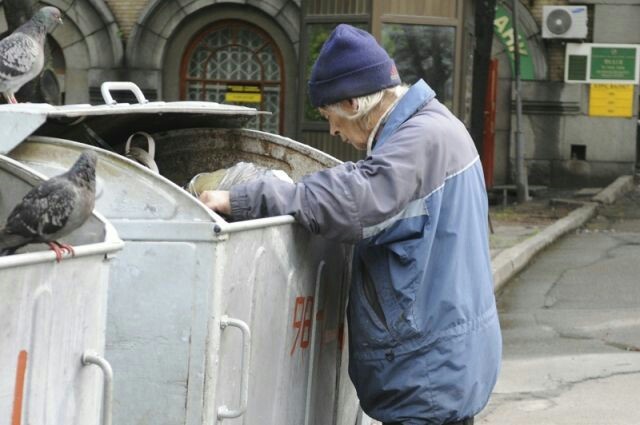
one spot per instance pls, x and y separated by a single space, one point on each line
51 314
208 321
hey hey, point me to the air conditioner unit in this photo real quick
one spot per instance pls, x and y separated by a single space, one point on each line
564 22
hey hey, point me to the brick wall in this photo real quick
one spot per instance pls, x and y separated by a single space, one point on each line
555 48
126 13
536 6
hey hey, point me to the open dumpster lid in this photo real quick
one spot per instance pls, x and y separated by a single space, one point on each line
113 122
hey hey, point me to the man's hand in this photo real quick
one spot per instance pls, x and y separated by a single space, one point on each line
217 200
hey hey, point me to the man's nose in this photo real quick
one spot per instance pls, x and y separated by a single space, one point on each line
333 130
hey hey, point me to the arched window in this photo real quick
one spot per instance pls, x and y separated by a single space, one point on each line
236 63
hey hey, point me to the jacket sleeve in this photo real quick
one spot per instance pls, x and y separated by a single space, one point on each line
338 203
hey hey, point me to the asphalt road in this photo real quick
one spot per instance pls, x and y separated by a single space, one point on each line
571 329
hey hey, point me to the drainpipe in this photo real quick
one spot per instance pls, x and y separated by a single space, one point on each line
522 187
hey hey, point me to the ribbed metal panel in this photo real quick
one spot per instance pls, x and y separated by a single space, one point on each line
337 7
331 145
434 8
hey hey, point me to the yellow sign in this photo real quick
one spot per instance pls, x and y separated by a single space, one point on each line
243 97
243 94
611 100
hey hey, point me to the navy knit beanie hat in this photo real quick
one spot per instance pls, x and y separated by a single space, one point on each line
351 64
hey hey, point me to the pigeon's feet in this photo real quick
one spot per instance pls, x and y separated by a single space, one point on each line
66 247
55 249
60 248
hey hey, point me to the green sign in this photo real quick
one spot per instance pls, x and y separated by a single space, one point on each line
504 30
613 63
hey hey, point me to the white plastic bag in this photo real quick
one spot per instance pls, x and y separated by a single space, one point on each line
226 178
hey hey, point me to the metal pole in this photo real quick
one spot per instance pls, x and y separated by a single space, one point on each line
522 187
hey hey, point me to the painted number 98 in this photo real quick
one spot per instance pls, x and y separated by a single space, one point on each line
302 318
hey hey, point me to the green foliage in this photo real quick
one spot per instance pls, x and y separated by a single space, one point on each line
423 51
317 34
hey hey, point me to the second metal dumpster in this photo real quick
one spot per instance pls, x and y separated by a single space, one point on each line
210 321
51 315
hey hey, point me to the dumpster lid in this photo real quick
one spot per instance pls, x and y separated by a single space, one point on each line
113 122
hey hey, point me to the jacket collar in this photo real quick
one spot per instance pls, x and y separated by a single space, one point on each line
418 95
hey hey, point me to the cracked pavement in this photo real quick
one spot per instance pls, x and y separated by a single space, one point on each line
571 328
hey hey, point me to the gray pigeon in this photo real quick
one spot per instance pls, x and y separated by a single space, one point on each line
53 209
22 52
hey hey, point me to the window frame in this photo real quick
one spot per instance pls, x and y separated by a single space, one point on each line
378 19
234 25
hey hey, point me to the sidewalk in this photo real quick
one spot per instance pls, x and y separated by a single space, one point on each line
570 324
520 231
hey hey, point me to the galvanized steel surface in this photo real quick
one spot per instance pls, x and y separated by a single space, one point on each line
294 300
158 298
50 314
94 236
176 278
184 153
124 189
53 313
112 122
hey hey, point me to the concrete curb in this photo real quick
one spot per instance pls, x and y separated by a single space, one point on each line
512 260
622 185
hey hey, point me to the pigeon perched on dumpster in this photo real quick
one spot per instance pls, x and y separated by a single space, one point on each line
53 209
22 52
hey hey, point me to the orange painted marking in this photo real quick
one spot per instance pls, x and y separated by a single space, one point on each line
16 417
302 322
297 322
307 314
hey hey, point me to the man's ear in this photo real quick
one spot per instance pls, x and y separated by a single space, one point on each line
350 105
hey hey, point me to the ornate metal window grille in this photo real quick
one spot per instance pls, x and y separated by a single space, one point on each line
236 63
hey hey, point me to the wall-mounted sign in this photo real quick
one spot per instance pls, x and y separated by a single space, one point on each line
611 100
613 63
602 63
503 28
243 94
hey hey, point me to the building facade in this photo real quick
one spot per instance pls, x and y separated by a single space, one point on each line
258 53
568 142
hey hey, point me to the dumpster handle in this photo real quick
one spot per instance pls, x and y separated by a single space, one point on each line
91 357
107 86
224 411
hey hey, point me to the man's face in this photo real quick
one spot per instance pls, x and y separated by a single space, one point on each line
348 130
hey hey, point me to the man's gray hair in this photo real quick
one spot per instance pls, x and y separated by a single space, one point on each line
368 103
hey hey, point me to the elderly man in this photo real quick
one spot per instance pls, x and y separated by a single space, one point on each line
424 336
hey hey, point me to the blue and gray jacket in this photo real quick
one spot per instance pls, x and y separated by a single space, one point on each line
424 337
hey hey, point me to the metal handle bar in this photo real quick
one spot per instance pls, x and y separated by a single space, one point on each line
90 357
151 144
224 411
109 86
